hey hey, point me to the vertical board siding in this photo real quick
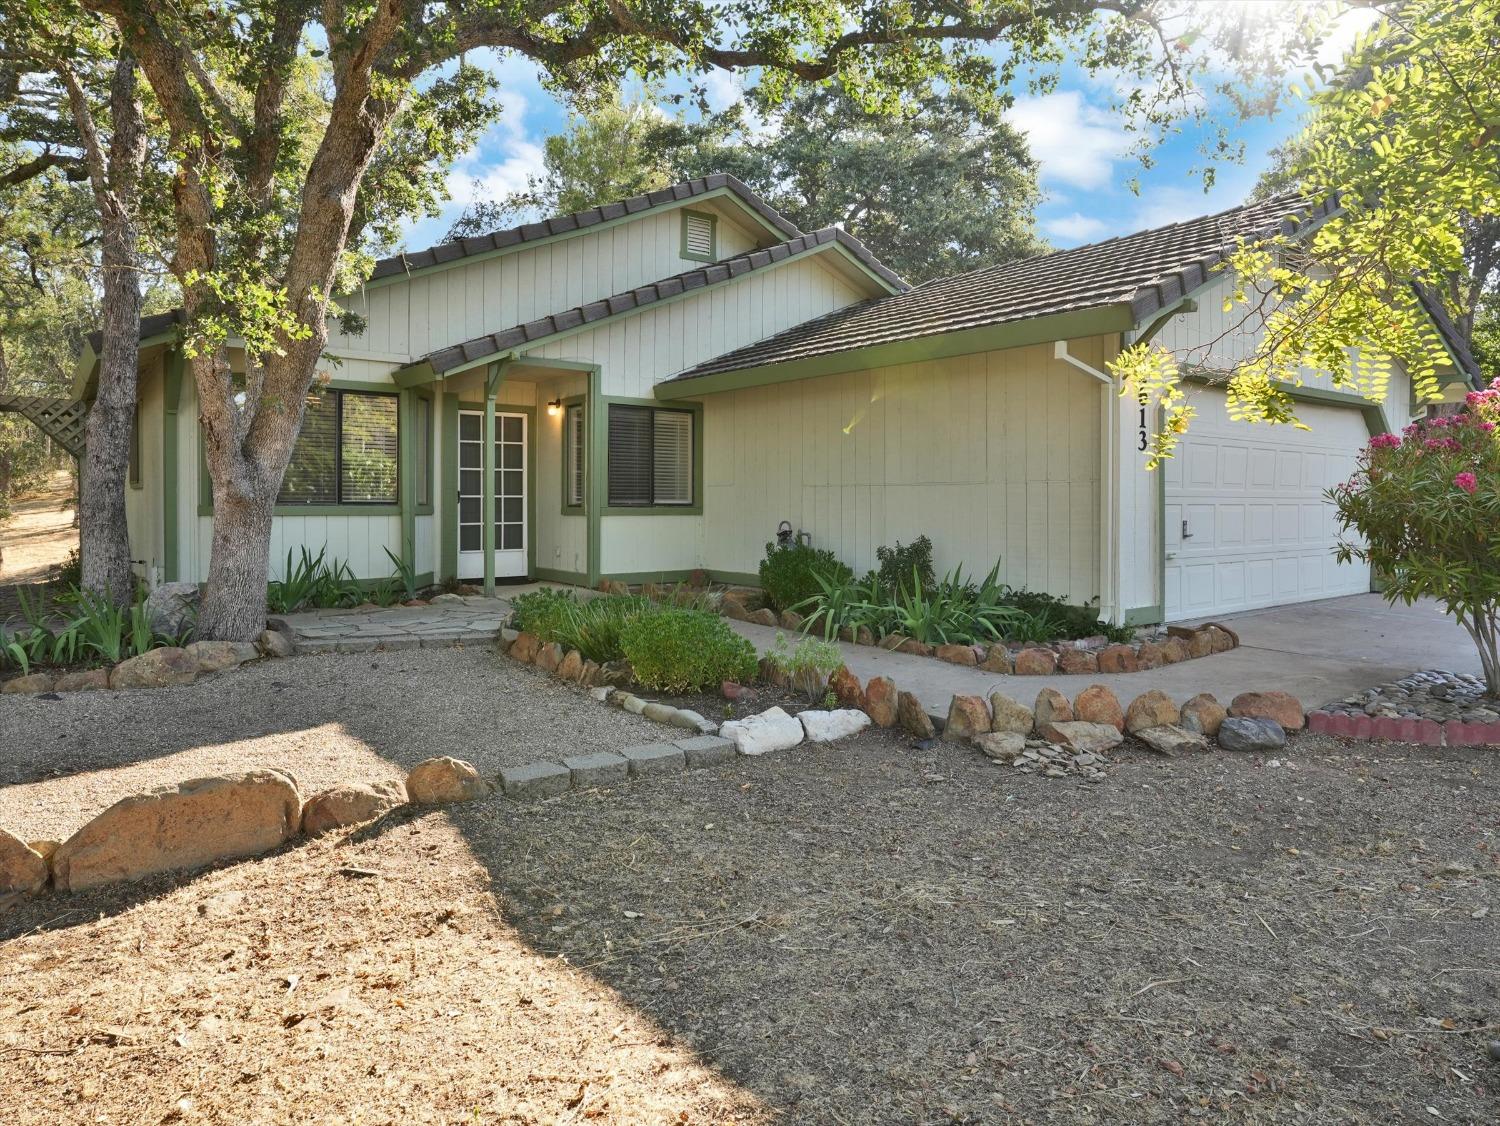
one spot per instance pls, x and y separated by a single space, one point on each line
992 456
649 544
442 307
561 541
639 351
143 511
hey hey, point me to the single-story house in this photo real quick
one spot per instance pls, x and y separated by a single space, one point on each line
670 378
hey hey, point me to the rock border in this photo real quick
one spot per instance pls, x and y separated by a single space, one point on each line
1085 657
166 666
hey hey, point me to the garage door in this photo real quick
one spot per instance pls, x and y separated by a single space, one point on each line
1246 522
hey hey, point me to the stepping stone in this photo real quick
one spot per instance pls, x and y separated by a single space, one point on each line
654 758
707 750
599 769
536 780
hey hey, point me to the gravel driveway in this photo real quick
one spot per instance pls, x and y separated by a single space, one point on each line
327 718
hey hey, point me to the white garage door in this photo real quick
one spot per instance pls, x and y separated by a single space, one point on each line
1246 522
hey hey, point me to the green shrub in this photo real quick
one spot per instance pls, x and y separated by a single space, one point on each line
313 581
789 573
595 627
808 666
95 629
540 611
898 564
685 650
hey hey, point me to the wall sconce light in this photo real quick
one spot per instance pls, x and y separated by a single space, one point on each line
554 408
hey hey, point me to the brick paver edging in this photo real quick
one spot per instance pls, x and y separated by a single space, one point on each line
1399 729
538 780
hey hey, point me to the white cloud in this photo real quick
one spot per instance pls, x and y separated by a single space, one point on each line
503 161
1075 228
1074 142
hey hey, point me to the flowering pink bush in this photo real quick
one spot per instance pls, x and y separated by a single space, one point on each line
1424 510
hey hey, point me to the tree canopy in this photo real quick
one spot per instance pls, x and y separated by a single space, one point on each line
1404 139
943 185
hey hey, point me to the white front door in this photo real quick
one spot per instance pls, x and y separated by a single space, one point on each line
1246 521
510 495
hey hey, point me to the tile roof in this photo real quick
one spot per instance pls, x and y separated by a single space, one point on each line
579 220
1145 271
154 325
459 355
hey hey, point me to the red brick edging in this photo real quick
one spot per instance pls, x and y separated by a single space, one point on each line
1428 732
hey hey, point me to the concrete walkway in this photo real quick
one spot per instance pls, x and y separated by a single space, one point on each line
1318 651
464 620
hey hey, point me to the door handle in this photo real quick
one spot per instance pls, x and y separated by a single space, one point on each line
1187 535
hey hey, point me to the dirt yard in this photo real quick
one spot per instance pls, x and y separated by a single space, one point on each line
869 933
39 534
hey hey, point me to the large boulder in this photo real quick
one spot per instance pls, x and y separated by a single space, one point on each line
216 656
22 868
1282 707
1006 715
1077 735
1098 704
1170 740
85 680
274 643
1151 709
179 827
523 647
1118 658
770 730
172 607
1251 733
352 803
881 701
1002 746
956 654
444 781
1203 714
825 727
998 659
845 687
1076 662
968 716
1035 662
29 685
156 668
1051 707
913 716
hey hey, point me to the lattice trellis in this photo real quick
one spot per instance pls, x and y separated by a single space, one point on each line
60 419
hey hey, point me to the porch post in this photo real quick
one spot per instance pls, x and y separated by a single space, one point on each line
493 376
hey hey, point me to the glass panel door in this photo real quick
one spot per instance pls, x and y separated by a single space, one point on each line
510 495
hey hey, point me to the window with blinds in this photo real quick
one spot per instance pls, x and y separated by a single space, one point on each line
650 456
573 456
346 452
698 236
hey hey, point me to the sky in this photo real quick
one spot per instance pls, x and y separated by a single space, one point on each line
1085 170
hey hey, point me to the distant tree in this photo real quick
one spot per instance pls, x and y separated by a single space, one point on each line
605 154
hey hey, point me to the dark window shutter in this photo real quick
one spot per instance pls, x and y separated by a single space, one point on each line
630 455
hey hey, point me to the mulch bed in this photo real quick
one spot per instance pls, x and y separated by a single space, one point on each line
859 933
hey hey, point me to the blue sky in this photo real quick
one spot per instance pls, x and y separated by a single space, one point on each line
1085 169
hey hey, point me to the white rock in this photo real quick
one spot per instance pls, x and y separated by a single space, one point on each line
771 730
825 727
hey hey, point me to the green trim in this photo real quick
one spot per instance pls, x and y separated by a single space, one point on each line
448 498
133 458
448 502
406 474
418 375
562 459
635 577
572 578
718 193
596 433
736 578
988 338
557 365
172 372
1376 420
494 375
421 507
713 236
694 509
1144 616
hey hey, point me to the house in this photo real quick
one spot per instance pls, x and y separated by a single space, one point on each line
670 378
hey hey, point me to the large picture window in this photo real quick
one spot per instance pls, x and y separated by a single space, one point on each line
650 456
346 452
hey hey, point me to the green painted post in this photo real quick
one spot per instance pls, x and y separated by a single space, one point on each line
487 485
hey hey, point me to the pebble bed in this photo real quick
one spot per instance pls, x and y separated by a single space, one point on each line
1436 695
1052 761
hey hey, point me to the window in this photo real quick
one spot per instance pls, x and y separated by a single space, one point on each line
573 456
135 448
698 236
346 452
422 444
650 456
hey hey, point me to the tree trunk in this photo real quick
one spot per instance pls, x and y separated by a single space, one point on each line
234 601
103 537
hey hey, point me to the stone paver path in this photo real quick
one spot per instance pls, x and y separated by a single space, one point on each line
451 620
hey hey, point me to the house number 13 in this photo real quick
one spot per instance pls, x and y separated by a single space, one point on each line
1142 435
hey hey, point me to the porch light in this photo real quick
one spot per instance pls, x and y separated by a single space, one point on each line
554 408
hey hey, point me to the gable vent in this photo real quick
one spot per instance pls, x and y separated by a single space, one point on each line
697 237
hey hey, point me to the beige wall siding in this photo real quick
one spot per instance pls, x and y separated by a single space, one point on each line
650 544
442 307
561 541
637 352
143 511
992 456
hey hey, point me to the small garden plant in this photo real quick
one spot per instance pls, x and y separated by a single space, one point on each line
790 573
92 630
674 650
808 666
1424 507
